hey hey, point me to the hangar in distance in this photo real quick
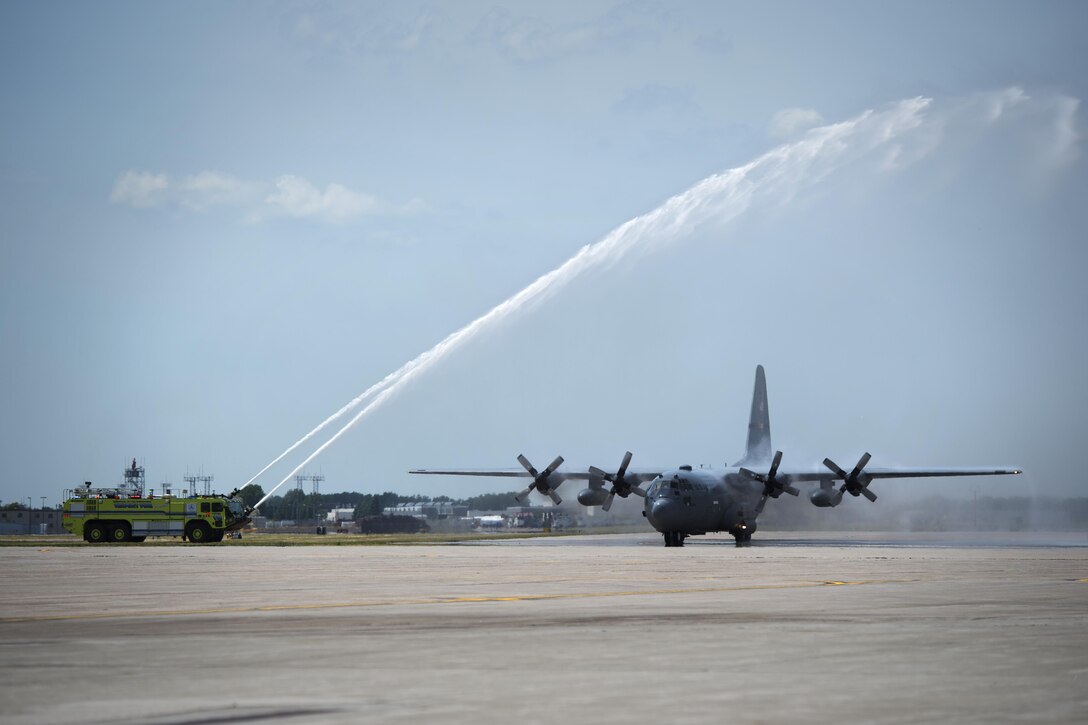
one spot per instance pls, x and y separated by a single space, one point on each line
683 501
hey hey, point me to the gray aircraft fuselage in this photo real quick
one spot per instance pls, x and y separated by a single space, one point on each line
702 500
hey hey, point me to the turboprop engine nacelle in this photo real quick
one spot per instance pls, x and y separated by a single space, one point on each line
823 497
592 496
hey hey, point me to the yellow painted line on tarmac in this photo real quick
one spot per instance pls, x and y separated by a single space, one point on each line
435 600
1083 581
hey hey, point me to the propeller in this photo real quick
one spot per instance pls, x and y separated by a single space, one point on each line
540 480
856 483
771 485
621 486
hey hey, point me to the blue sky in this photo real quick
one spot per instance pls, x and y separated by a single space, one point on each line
222 221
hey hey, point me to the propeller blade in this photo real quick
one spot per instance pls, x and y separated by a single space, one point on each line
638 491
774 464
835 468
554 497
540 480
623 466
857 481
608 502
522 496
771 485
761 504
620 484
528 466
554 465
862 462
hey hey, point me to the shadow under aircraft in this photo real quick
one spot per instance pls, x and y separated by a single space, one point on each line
682 501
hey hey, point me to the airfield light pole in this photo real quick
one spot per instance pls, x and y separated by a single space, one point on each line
43 507
298 499
202 479
29 511
316 481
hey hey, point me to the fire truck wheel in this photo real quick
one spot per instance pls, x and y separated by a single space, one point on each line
120 532
199 532
95 532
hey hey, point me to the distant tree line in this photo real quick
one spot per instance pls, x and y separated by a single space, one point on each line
301 506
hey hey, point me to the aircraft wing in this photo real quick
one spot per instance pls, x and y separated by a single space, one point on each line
785 475
801 476
937 472
505 472
641 474
624 481
856 482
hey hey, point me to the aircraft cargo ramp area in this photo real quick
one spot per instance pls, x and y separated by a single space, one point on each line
607 629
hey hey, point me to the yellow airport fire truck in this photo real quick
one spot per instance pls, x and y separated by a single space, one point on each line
124 513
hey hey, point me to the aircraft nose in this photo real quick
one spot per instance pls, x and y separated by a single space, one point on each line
667 515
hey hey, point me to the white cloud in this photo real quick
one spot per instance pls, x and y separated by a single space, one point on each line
288 195
792 121
212 188
997 103
140 189
297 197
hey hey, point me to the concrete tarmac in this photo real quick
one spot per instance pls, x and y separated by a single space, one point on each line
798 628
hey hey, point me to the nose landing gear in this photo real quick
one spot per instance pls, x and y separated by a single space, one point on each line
674 538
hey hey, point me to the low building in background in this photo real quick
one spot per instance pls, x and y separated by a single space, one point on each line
20 522
427 510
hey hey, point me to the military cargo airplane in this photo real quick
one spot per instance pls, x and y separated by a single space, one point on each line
683 501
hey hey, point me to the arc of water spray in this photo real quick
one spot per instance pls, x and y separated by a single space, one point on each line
776 175
372 390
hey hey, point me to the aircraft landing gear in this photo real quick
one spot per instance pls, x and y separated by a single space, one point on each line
742 533
673 538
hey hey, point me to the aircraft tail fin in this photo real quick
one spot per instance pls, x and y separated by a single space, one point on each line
758 448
